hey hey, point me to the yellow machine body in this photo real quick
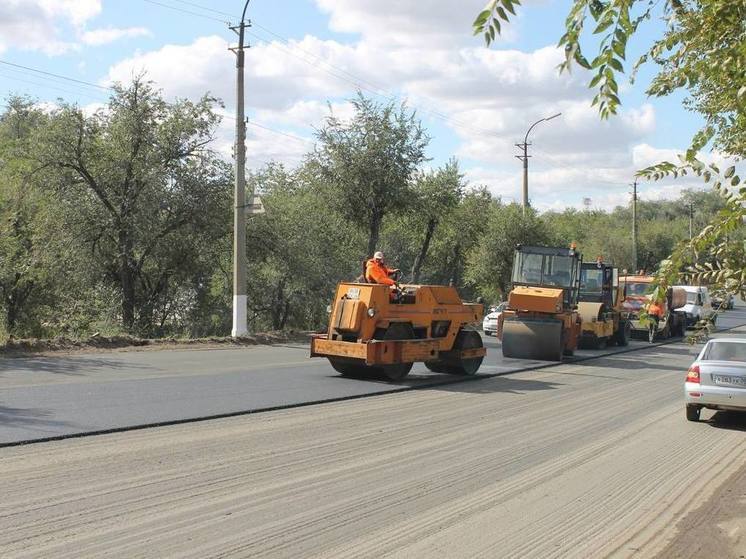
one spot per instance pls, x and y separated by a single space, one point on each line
370 333
541 321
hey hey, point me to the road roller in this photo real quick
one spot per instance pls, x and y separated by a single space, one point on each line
541 321
375 331
600 306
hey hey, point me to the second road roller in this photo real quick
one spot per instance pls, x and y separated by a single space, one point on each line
542 321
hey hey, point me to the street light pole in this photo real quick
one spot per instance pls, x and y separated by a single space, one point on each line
240 327
525 156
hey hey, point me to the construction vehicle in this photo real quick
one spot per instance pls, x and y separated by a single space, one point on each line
600 306
372 333
541 321
638 291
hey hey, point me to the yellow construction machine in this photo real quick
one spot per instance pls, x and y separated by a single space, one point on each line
374 332
541 321
600 306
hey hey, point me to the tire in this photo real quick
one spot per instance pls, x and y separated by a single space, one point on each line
623 335
692 412
397 331
351 368
466 339
601 342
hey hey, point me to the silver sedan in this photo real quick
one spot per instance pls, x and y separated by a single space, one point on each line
717 379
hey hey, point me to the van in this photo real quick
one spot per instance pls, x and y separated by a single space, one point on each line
698 304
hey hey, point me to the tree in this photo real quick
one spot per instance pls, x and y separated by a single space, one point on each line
368 162
436 194
140 179
701 52
490 264
29 241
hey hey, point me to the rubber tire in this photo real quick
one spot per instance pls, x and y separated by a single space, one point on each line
601 343
623 335
692 412
467 339
352 368
396 331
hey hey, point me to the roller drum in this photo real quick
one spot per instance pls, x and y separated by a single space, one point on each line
533 339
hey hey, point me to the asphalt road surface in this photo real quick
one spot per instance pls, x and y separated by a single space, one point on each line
47 397
589 459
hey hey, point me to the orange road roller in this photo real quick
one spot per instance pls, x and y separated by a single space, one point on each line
374 332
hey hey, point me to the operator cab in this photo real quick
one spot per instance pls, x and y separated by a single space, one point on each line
548 267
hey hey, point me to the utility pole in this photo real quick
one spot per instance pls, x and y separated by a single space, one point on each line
634 226
240 327
524 158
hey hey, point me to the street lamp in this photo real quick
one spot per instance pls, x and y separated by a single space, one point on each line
525 156
239 192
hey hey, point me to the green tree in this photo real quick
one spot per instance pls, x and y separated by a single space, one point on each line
700 52
490 264
368 162
144 187
29 245
436 194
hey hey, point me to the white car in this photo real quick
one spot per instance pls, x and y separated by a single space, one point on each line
717 379
489 324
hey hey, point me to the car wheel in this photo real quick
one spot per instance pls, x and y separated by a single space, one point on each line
692 412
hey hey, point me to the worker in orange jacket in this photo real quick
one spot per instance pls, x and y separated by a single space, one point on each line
655 314
377 272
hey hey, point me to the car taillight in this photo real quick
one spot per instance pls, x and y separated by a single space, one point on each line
692 375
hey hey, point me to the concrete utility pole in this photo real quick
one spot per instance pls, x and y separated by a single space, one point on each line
524 158
239 211
634 226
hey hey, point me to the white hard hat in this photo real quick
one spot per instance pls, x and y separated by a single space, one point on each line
378 255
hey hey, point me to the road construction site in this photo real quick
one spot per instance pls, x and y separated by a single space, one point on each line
588 458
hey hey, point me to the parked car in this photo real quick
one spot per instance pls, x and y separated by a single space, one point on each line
724 303
489 324
698 304
717 379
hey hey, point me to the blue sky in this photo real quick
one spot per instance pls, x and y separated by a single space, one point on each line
475 102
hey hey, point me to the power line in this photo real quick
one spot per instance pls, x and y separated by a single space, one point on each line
67 78
187 11
354 80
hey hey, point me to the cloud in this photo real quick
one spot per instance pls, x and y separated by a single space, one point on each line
41 24
108 35
407 22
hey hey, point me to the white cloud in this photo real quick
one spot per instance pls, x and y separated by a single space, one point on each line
421 51
40 24
108 35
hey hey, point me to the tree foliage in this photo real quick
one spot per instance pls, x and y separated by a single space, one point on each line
700 52
368 163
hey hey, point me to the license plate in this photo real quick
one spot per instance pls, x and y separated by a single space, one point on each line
353 293
731 381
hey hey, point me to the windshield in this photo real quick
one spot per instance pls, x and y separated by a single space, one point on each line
540 269
591 280
725 351
637 288
692 298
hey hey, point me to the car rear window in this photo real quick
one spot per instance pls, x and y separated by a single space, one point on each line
726 351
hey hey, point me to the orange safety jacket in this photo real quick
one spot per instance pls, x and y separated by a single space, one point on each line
376 272
654 309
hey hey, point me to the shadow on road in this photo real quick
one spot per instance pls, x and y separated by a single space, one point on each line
731 420
28 417
498 384
629 363
73 366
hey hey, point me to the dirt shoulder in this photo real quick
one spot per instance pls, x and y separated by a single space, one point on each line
34 346
717 528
